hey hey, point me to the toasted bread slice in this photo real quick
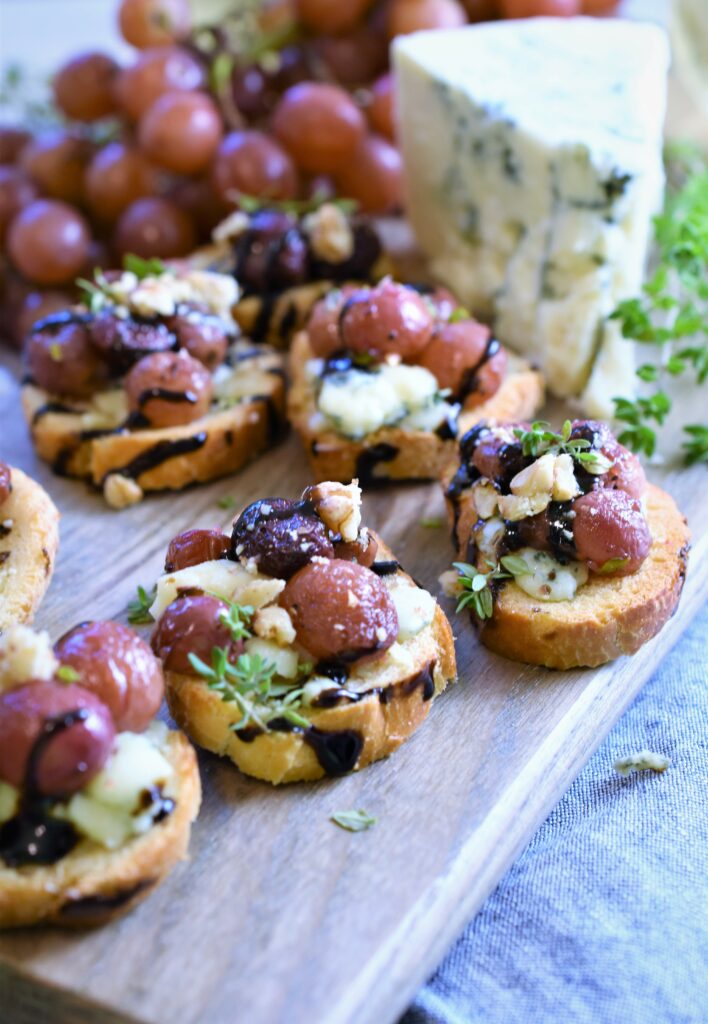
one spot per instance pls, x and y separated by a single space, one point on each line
392 453
91 885
392 699
607 617
29 538
86 439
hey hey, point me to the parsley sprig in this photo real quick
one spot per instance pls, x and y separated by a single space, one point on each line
476 585
540 439
250 683
139 607
671 314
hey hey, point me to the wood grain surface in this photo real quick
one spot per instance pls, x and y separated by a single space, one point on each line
279 916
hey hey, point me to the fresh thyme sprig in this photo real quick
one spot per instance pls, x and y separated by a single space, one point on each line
143 268
139 607
476 587
540 439
249 682
299 207
671 314
237 619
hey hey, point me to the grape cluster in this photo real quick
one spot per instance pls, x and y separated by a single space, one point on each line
150 156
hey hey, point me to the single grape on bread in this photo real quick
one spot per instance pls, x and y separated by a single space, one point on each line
298 647
96 797
567 556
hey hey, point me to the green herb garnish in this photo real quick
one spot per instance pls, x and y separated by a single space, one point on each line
139 607
298 207
67 674
671 314
143 268
459 313
249 682
540 439
226 502
353 821
237 620
476 587
432 522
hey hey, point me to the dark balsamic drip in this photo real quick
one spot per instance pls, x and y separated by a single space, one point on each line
513 460
331 698
55 321
344 360
288 321
234 358
560 524
4 530
165 395
33 836
248 734
276 426
60 466
161 452
337 752
334 670
470 381
52 407
260 329
86 908
369 459
447 431
385 568
423 680
154 798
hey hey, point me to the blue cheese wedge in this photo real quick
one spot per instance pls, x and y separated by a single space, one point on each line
533 162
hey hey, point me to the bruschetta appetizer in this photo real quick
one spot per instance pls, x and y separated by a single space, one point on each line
568 557
285 256
150 388
96 798
297 646
384 378
29 538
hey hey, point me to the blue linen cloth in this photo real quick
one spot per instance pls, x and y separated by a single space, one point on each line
603 919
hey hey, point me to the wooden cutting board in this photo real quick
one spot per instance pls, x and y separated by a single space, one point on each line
280 916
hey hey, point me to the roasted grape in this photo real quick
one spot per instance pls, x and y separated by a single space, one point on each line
539 8
169 388
54 738
145 23
16 192
481 10
253 163
415 15
391 318
61 358
118 668
331 16
202 335
194 547
341 611
381 109
124 340
320 125
610 532
355 59
598 6
12 142
323 325
48 242
199 200
192 625
362 550
374 176
155 227
181 131
84 87
115 178
280 536
57 162
166 69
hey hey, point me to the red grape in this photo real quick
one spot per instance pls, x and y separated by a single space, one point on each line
540 8
116 177
390 319
155 72
35 306
413 15
254 163
197 197
381 110
12 142
56 161
16 192
354 59
83 88
49 241
145 23
598 6
331 16
481 10
181 131
319 124
155 227
374 176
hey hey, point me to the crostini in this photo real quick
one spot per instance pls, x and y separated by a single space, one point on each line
96 798
29 538
568 558
150 388
297 646
384 378
285 256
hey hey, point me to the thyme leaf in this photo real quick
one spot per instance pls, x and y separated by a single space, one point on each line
139 607
476 586
353 821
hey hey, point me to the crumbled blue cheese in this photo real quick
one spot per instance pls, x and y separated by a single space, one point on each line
358 402
415 609
548 580
532 192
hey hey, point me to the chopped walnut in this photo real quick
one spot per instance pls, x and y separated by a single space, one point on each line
274 624
234 225
330 233
338 506
25 655
120 491
517 506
